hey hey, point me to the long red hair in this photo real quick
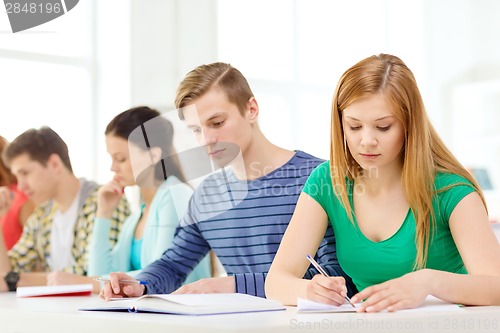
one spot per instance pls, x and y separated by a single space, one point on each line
424 152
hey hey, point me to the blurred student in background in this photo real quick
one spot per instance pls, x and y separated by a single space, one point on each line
147 159
15 207
56 235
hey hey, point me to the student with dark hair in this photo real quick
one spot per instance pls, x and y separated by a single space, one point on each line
56 235
140 143
240 211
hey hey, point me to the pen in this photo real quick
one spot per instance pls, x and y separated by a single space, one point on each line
323 272
100 279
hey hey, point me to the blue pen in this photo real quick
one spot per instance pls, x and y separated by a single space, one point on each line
100 279
323 272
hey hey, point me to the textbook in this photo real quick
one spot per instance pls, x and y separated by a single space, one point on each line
66 290
431 303
189 304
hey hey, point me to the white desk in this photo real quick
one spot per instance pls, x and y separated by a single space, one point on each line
60 314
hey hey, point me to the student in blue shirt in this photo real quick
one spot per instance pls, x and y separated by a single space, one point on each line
240 212
147 233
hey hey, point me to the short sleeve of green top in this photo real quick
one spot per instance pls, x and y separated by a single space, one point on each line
368 262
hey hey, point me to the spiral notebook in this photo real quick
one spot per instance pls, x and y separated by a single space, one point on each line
188 304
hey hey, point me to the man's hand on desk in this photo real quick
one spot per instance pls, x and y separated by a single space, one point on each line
224 284
115 289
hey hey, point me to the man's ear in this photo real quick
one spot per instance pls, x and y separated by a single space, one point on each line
54 161
253 110
155 154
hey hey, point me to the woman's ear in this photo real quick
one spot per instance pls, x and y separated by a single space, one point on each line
54 161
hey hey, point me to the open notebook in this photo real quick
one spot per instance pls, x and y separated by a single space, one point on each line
431 303
66 290
188 304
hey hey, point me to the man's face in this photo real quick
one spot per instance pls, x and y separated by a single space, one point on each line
34 179
218 124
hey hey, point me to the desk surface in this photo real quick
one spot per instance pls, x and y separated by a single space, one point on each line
60 314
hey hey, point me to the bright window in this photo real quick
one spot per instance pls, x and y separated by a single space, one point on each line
293 53
47 79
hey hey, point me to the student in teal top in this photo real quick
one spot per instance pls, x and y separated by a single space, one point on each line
408 218
146 234
164 194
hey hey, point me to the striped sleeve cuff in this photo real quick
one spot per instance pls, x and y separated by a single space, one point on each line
250 283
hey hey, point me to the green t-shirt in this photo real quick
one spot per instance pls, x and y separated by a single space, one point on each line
368 262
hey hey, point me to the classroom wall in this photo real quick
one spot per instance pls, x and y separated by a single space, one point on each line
136 51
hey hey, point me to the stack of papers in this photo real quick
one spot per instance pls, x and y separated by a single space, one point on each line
431 304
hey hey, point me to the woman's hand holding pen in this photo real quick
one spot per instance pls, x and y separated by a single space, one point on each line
330 290
115 289
108 198
408 291
326 289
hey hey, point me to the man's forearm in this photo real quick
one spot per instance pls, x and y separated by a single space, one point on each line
32 279
25 280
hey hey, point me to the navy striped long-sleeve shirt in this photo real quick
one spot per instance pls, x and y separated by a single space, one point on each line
243 222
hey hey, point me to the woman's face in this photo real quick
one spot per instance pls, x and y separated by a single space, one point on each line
374 135
121 165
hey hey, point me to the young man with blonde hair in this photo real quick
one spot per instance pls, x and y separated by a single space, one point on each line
240 212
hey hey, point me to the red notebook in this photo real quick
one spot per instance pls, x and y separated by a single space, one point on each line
45 291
